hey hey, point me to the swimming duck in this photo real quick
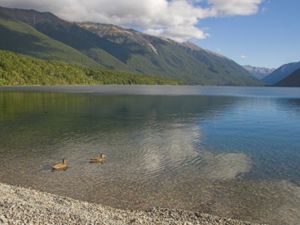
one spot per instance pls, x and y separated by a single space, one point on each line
60 166
98 159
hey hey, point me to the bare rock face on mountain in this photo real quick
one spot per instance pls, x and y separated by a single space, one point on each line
259 72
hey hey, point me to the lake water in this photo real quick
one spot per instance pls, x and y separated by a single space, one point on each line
232 152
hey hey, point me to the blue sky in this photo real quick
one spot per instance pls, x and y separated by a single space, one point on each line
269 38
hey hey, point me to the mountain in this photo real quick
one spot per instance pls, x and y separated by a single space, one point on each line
20 37
17 69
153 55
258 72
122 49
281 73
292 80
69 34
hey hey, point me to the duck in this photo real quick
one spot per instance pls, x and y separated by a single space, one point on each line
98 159
60 166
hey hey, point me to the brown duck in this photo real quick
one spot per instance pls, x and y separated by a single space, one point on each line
60 166
98 159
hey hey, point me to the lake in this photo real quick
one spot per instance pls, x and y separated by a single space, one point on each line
226 151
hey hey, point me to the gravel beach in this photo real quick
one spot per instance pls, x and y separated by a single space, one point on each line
25 206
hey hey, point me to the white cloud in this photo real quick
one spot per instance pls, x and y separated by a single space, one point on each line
235 7
243 56
175 19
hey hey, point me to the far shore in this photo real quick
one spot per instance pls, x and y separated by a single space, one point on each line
161 90
26 206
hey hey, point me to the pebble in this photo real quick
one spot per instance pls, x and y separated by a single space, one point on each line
3 220
20 206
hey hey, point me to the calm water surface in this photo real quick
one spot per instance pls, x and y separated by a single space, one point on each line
231 152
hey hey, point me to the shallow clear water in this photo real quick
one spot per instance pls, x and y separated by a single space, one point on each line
232 152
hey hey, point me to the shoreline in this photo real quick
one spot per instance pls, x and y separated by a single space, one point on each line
26 206
161 90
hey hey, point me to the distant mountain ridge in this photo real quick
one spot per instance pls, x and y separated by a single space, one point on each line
259 72
293 80
281 73
116 48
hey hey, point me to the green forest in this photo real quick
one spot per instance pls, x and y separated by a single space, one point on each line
17 69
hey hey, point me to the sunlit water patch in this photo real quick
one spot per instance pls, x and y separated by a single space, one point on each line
235 155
